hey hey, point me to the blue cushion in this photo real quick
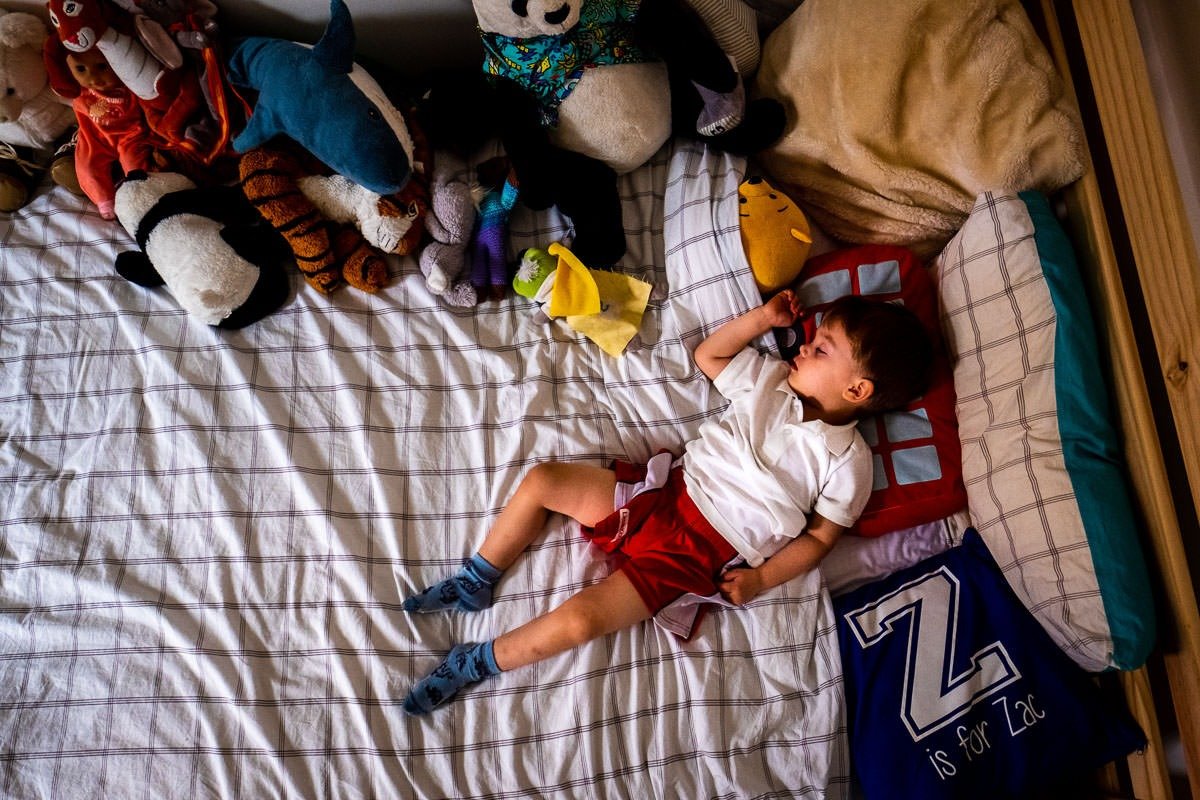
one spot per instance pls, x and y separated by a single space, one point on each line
955 690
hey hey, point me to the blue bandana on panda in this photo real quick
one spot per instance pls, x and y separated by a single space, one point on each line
549 66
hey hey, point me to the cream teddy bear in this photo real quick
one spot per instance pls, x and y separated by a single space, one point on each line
32 117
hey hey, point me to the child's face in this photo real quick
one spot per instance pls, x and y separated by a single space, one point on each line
92 71
823 371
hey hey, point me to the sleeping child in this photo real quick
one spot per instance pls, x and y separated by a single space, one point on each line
772 483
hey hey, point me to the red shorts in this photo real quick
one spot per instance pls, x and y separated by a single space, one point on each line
662 542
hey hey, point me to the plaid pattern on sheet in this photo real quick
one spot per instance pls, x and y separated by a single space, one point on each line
206 536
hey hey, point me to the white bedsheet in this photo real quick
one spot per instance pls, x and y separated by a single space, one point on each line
206 536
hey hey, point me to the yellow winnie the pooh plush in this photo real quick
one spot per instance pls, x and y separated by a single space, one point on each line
775 234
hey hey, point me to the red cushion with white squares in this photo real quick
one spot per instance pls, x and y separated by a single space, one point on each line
916 450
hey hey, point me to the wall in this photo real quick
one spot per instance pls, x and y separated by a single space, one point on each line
405 36
1169 31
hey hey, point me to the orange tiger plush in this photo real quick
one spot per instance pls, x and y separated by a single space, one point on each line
338 231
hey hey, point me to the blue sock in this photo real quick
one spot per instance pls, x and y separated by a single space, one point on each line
469 589
465 665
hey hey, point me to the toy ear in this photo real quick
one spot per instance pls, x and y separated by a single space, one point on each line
54 56
19 29
335 50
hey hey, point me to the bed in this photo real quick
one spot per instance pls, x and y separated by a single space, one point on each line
208 535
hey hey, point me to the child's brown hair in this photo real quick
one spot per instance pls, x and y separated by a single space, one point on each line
890 346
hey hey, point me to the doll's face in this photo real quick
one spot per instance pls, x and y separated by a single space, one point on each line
92 71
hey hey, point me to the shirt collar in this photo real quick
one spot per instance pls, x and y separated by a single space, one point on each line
837 438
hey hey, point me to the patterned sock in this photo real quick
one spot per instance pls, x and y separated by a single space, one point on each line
469 589
466 664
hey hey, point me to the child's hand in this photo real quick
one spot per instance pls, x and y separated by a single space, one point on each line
741 585
782 309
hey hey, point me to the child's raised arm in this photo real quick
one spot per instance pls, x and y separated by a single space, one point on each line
728 340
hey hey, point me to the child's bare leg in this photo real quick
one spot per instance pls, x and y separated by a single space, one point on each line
582 492
600 609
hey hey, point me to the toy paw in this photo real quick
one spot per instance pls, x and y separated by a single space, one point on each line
386 233
18 177
135 266
321 274
364 268
62 166
13 194
764 122
461 295
441 263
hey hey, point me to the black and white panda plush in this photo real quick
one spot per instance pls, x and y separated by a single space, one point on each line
220 260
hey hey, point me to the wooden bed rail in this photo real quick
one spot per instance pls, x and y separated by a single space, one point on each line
1127 220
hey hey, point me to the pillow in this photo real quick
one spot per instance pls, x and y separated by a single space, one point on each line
918 469
953 690
734 26
1041 460
772 12
899 114
858 560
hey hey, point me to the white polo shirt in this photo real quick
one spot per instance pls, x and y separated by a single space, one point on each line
760 469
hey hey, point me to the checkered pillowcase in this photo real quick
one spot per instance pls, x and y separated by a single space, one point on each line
1041 461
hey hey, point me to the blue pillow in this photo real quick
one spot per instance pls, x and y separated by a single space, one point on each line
955 690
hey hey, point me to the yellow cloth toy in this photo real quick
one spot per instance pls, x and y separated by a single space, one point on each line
775 234
606 307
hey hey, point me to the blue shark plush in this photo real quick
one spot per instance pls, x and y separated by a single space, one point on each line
320 98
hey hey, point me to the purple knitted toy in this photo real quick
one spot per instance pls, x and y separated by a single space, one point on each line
489 243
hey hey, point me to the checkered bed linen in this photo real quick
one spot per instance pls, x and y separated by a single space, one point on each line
206 536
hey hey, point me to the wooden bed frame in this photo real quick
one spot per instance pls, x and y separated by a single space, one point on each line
1127 220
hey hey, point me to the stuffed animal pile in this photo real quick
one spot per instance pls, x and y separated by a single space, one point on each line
334 189
571 94
33 119
606 83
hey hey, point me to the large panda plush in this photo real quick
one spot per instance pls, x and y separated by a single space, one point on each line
591 89
220 260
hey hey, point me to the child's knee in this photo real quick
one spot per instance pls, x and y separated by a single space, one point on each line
542 480
583 622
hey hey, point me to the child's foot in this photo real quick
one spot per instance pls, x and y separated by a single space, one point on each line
465 665
469 589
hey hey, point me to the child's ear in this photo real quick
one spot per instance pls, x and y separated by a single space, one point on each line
859 391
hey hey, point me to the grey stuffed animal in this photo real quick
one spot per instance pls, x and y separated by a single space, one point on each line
453 207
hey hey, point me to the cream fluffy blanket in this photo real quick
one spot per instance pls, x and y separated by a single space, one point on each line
902 112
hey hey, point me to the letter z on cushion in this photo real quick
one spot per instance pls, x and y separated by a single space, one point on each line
954 691
1044 474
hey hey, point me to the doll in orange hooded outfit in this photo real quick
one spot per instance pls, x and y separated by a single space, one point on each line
133 112
112 130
